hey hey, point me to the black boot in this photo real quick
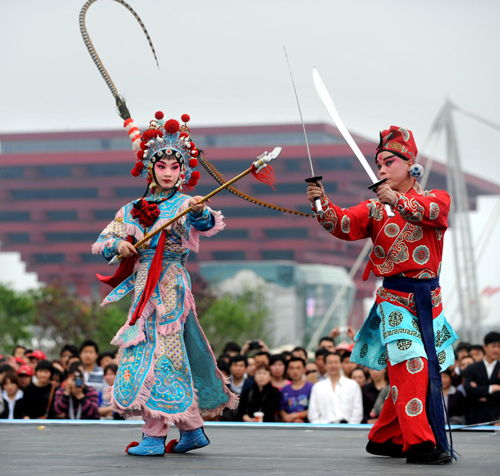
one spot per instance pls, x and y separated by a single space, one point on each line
425 453
387 448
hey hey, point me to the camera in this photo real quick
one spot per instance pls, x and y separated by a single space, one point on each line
255 344
78 380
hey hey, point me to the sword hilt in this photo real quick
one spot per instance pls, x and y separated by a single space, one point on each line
317 202
373 187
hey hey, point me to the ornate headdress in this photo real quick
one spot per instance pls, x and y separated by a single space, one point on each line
399 141
164 139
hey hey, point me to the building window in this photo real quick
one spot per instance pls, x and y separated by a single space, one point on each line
62 215
11 172
335 163
130 193
72 237
288 188
56 170
278 254
229 255
18 238
90 258
14 216
285 233
54 194
108 215
49 258
255 211
231 234
100 170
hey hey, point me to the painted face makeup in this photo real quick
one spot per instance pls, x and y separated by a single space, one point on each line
392 168
167 173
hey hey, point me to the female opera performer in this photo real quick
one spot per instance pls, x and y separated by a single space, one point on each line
167 371
406 329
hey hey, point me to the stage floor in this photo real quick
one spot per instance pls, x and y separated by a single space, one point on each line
66 449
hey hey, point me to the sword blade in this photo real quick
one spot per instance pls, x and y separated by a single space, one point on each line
327 101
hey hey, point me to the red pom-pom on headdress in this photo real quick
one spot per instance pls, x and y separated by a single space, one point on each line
196 175
194 152
135 172
172 126
193 163
185 118
159 115
144 145
183 134
140 154
146 135
139 165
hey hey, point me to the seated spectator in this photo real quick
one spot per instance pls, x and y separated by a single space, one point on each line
223 366
25 374
312 372
460 370
360 375
295 396
320 363
232 349
250 366
336 399
278 371
19 351
74 399
94 375
105 359
39 396
454 401
482 383
67 351
378 381
12 397
327 343
237 374
262 397
34 357
105 409
4 370
476 352
262 358
301 353
347 365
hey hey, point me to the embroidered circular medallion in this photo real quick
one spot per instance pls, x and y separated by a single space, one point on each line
374 323
414 407
379 252
391 230
415 325
442 357
394 393
382 360
434 211
345 224
395 318
404 133
364 350
329 226
403 344
414 366
421 254
438 338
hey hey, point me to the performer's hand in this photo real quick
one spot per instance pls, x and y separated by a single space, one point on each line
195 206
387 195
335 332
351 333
126 249
315 191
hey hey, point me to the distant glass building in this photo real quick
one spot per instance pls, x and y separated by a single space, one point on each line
59 190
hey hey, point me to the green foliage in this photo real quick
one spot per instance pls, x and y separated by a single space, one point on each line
16 314
239 318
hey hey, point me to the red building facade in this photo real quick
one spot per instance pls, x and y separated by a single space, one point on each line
59 190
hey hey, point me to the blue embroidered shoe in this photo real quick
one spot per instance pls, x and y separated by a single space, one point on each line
149 446
191 440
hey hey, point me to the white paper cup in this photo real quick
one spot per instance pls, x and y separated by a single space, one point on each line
259 417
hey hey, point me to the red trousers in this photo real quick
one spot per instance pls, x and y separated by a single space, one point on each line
403 419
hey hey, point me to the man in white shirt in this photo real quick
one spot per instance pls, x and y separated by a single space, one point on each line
336 399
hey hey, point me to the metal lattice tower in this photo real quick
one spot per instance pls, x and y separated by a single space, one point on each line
463 249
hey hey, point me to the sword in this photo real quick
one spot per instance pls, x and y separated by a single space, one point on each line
314 179
326 99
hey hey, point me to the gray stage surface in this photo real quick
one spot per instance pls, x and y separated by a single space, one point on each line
99 449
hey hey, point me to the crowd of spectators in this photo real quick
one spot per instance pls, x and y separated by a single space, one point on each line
286 387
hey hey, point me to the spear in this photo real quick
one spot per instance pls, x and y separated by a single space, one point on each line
257 166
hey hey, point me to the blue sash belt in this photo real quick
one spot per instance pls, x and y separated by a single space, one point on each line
435 401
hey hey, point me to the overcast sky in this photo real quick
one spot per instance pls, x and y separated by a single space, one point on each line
385 62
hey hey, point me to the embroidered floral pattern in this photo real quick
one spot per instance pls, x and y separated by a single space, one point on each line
434 211
394 393
345 224
421 254
414 366
391 230
414 407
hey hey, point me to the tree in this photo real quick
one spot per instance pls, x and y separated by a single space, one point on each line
16 315
239 318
